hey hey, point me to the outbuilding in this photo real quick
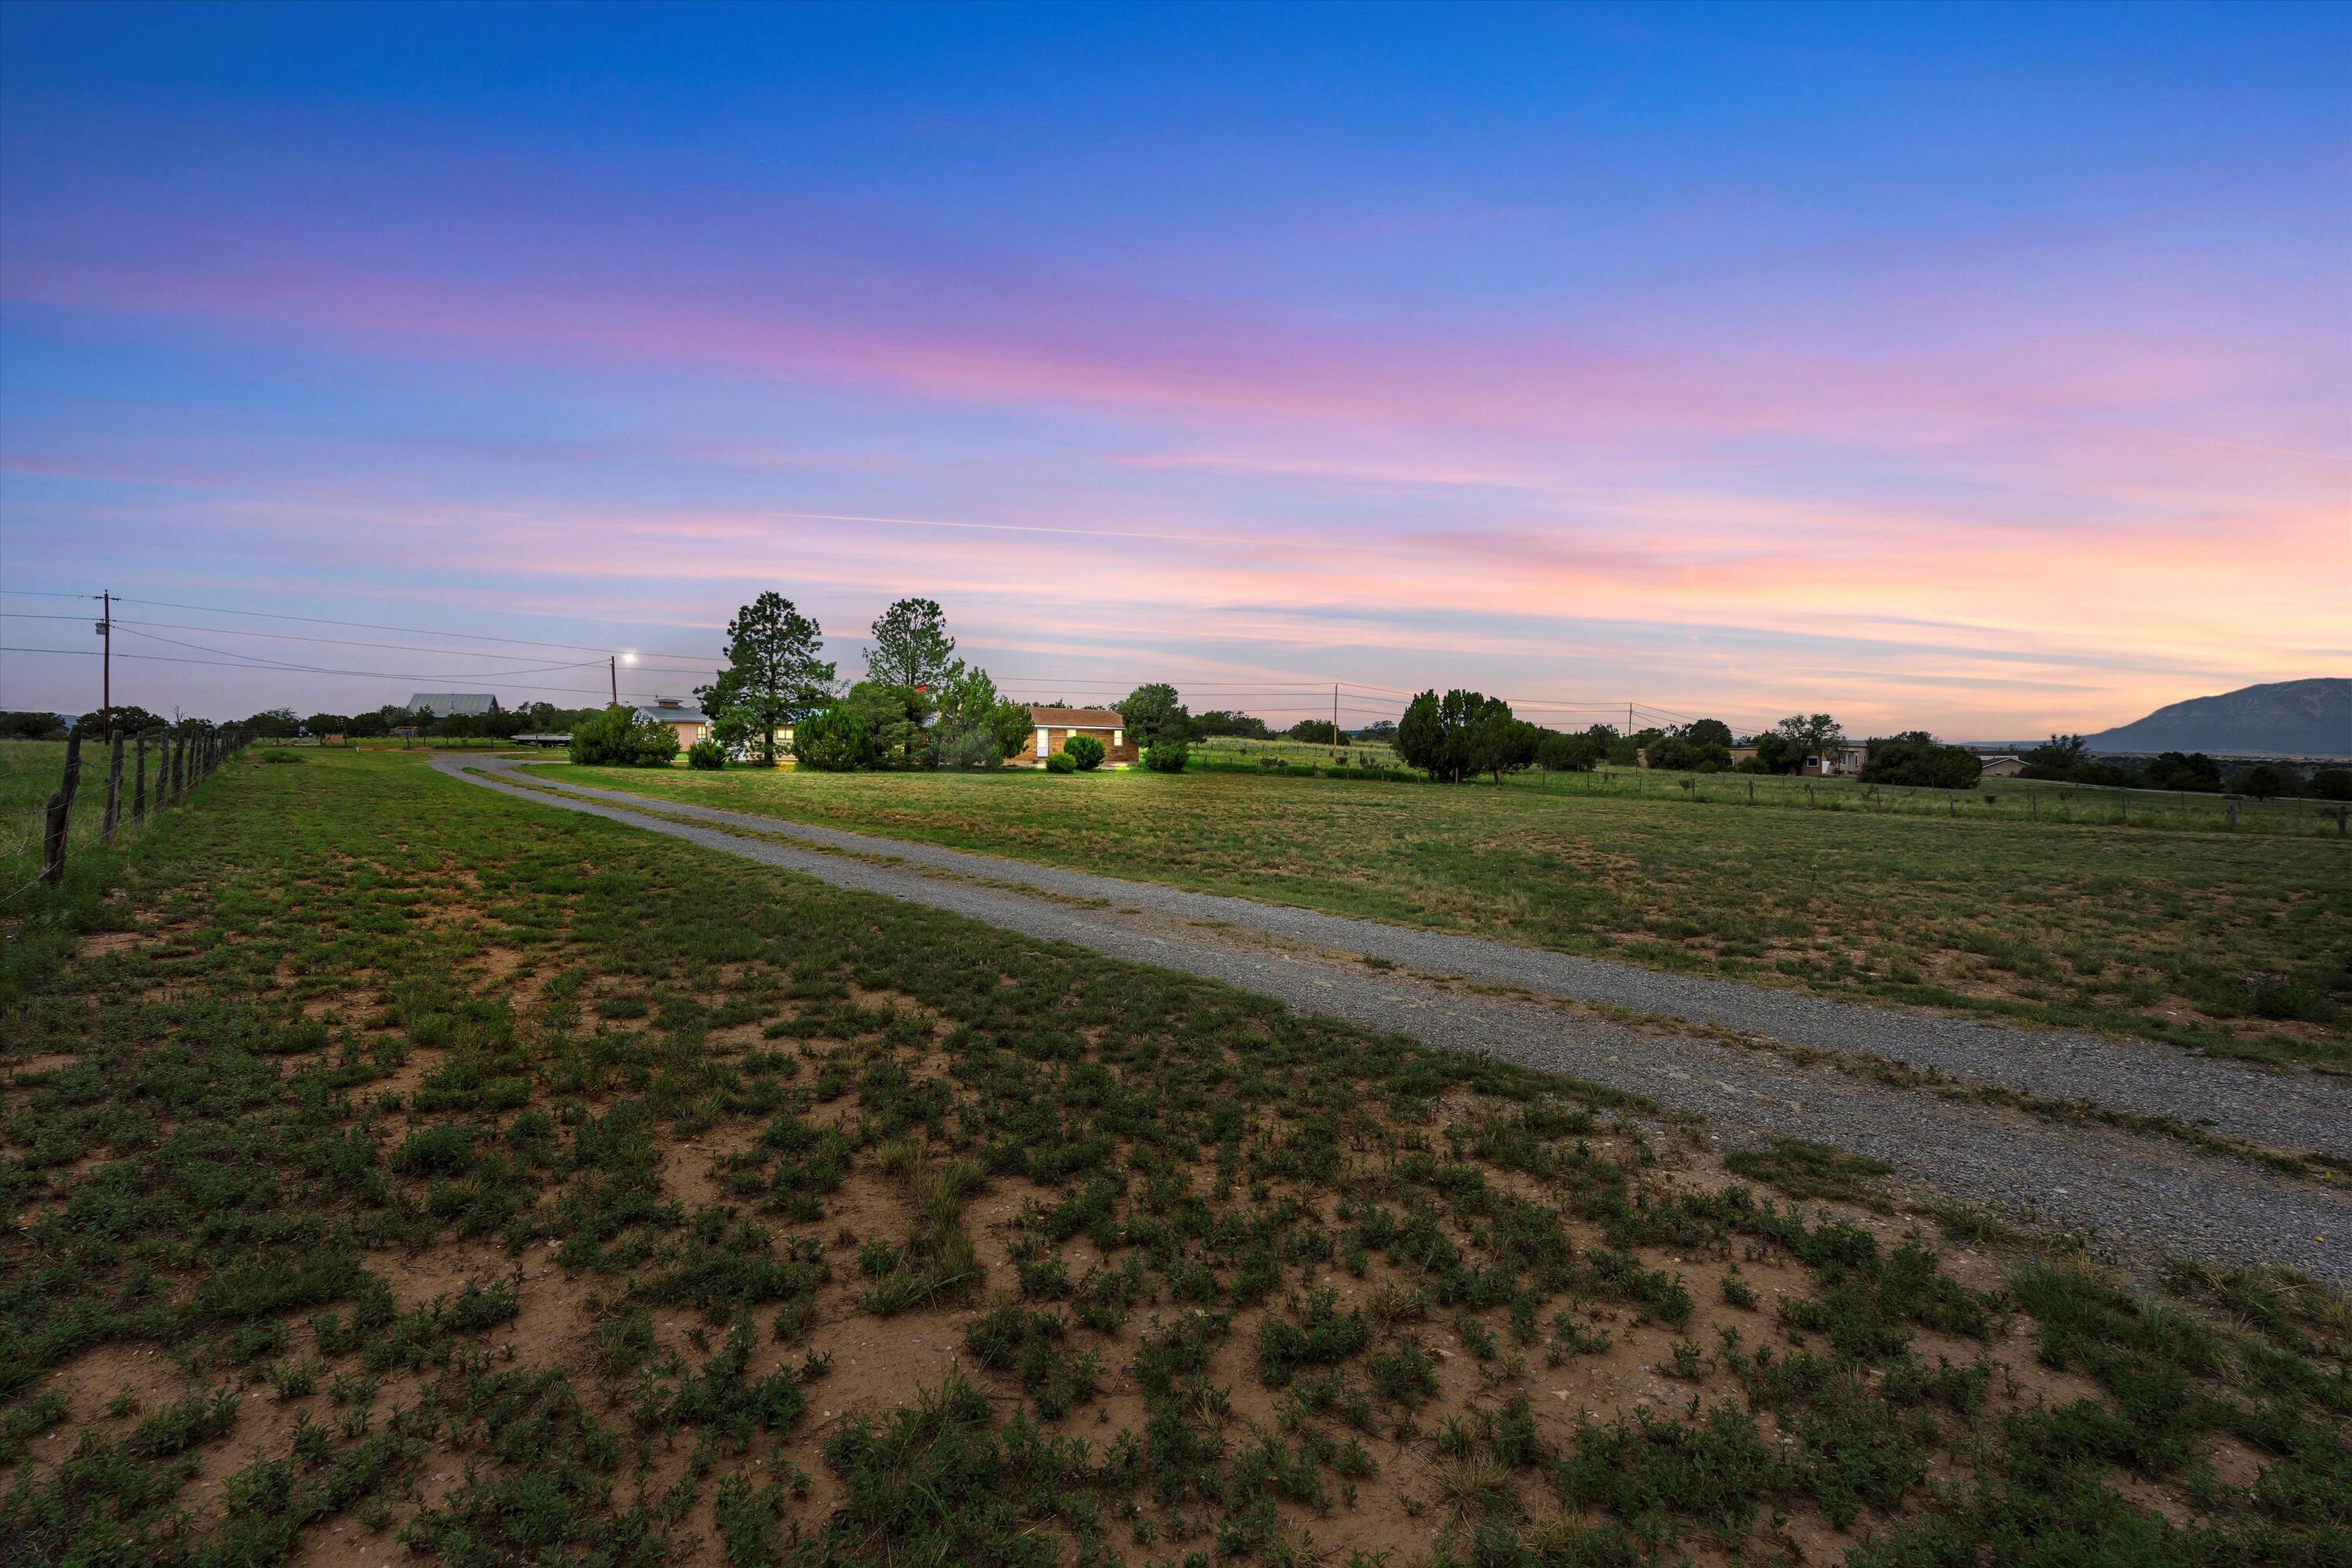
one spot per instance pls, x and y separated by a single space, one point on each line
690 724
453 704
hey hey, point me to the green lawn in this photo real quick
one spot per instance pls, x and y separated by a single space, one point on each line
387 1164
2240 944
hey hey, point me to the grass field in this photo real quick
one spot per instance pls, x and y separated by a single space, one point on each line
30 771
2238 944
392 1165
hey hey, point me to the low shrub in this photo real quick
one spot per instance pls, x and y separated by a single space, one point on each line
1274 764
279 755
1166 757
1085 752
837 741
1061 762
706 755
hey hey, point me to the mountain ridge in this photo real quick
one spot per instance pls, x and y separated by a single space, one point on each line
2309 718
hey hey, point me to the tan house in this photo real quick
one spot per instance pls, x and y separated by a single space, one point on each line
2003 767
690 725
1846 758
1050 730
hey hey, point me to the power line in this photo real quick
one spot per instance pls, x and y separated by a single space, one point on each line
255 661
356 626
286 636
234 664
697 663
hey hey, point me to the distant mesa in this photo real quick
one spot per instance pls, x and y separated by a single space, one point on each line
2285 719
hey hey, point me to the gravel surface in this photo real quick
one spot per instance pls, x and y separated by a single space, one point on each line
2140 1192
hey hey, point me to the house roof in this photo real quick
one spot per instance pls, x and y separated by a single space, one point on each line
1078 718
445 703
667 715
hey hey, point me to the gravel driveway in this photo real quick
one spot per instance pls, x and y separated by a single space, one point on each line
1540 1008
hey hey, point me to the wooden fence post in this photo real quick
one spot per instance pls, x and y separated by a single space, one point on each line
139 789
59 813
53 839
113 818
178 748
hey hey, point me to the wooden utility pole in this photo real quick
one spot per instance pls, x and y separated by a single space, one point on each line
106 669
612 669
1335 723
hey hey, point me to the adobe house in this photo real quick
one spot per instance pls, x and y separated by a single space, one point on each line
1837 759
2003 767
1050 730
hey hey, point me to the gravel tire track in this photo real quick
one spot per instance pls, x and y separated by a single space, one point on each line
2139 1191
2289 1110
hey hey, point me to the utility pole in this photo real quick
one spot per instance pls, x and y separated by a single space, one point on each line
612 669
1335 723
106 669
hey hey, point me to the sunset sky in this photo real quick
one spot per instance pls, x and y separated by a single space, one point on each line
1982 369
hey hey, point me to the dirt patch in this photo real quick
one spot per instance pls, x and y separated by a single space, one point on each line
111 941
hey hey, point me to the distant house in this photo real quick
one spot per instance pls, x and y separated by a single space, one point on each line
452 704
2003 767
1746 753
1050 730
690 723
1837 759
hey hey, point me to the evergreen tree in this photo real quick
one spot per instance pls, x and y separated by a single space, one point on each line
773 676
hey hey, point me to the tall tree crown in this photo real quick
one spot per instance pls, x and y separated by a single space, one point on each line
911 645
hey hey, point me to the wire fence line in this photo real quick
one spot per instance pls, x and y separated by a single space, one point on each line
2019 801
163 772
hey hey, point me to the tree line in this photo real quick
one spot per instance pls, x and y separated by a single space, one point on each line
918 707
2067 758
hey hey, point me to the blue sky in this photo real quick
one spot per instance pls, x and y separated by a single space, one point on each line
1977 368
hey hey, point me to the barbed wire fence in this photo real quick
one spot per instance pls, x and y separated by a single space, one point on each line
44 840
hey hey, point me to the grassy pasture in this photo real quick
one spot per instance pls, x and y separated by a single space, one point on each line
2237 944
393 1164
30 772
